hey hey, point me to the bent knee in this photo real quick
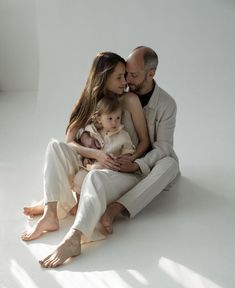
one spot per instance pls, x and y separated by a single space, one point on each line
173 166
167 165
95 175
55 145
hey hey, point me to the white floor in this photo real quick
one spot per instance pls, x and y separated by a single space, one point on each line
184 238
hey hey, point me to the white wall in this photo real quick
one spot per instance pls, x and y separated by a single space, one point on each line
195 42
18 45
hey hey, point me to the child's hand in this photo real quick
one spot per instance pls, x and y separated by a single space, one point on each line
88 141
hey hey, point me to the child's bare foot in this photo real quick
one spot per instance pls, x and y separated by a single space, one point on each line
112 211
70 247
47 223
34 210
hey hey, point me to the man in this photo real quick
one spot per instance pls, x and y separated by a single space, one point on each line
160 164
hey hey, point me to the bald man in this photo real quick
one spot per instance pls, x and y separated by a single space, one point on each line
157 169
160 165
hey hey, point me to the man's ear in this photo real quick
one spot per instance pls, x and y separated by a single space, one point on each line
151 72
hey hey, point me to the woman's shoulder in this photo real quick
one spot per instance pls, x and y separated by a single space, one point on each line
129 98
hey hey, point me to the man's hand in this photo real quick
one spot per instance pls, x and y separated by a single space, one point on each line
88 141
127 166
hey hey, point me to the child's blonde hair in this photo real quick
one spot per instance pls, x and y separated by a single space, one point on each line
108 104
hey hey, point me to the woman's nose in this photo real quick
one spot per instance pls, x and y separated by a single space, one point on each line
124 81
127 78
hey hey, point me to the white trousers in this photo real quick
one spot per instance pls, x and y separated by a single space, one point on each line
161 177
61 165
100 187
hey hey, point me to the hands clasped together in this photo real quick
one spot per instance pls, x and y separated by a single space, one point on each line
122 163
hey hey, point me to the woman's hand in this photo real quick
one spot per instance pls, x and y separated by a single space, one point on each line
108 161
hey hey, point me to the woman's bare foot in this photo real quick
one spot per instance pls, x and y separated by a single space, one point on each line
38 209
70 247
112 211
47 223
34 210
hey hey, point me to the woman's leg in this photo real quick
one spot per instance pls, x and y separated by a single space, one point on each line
34 210
60 167
69 247
38 208
47 223
99 188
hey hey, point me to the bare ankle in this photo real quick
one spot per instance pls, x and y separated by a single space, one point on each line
51 210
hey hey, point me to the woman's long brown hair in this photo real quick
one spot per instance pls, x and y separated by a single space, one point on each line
102 66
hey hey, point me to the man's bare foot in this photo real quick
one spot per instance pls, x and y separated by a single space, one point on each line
34 210
112 211
47 223
70 247
73 211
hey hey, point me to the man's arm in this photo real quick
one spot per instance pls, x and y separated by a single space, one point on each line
164 131
163 145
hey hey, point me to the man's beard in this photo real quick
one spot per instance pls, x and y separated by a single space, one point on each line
137 88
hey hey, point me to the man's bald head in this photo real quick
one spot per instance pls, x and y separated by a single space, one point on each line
145 56
141 67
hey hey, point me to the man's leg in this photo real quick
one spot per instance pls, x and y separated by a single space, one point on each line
162 174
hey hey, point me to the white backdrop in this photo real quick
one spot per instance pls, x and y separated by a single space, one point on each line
18 45
195 42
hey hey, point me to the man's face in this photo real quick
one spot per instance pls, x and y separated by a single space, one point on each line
136 76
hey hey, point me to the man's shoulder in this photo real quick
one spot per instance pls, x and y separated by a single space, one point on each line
161 99
165 98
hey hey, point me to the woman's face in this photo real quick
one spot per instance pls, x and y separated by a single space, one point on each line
116 81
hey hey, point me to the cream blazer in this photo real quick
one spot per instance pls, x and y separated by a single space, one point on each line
160 114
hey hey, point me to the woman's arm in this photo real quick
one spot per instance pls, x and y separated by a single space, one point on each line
133 105
103 158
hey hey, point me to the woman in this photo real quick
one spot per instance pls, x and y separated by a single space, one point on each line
107 75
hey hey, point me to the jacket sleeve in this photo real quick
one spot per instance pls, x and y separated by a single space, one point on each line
163 140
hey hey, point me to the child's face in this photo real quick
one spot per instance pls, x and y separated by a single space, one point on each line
112 121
